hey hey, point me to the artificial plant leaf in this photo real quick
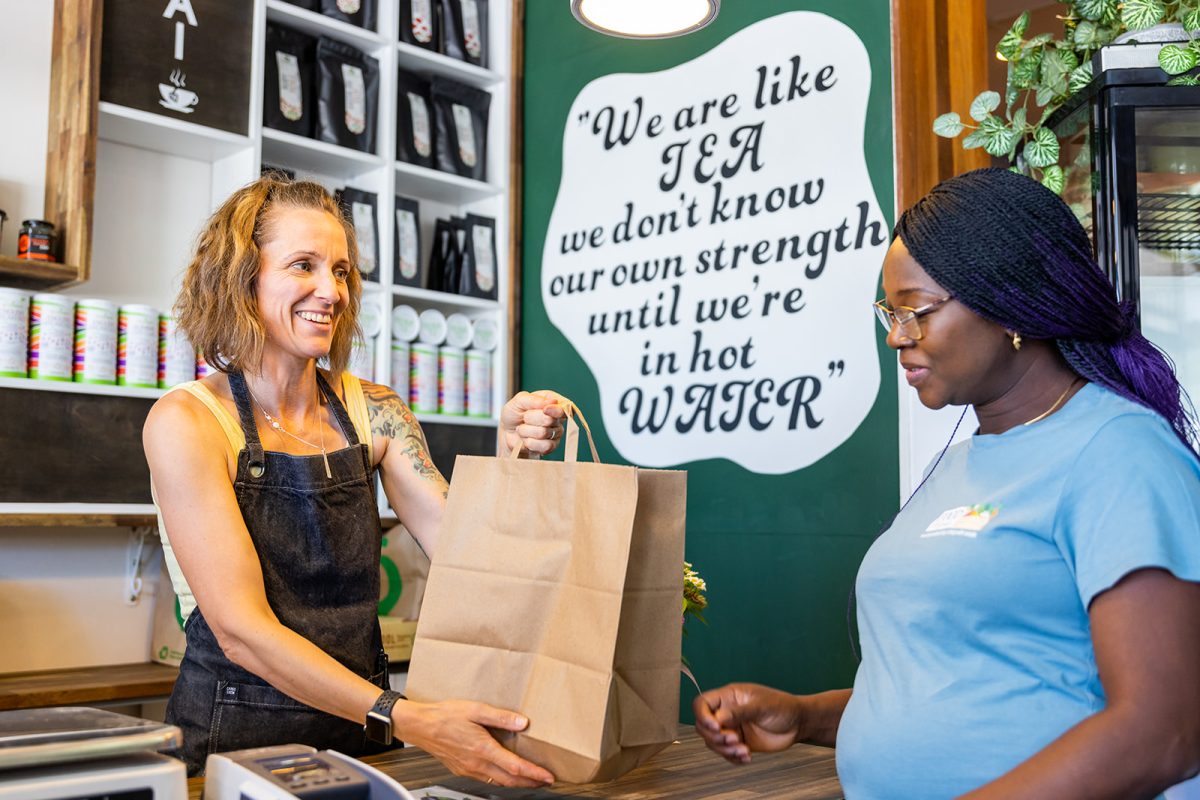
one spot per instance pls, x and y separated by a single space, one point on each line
1176 60
1141 14
984 104
1067 55
1010 43
1053 179
1025 71
1094 10
1191 20
1011 93
1045 94
1184 80
1085 36
997 137
1018 120
1040 39
1081 76
1042 150
948 125
974 139
1055 67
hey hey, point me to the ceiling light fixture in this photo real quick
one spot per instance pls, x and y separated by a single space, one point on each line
640 19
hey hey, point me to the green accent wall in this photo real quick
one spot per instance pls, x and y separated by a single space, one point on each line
779 552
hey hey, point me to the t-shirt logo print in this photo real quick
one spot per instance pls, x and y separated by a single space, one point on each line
965 521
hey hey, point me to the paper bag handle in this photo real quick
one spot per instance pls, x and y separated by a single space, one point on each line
571 441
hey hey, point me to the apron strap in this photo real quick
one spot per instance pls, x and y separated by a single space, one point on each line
241 398
339 411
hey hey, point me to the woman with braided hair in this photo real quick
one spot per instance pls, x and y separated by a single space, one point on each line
1030 621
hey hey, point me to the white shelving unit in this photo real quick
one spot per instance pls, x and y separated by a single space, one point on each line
232 160
157 178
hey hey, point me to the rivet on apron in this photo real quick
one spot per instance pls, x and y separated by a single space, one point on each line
257 470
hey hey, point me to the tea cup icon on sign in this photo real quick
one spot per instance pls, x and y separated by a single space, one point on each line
175 97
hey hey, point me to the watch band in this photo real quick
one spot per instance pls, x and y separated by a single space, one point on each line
378 725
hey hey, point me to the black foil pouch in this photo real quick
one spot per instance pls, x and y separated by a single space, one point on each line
354 12
360 208
461 122
419 23
481 279
289 81
464 30
414 120
452 260
443 232
407 271
463 265
348 95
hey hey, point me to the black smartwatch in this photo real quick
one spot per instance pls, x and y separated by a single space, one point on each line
378 726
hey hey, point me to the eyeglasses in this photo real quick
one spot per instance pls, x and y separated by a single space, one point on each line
905 317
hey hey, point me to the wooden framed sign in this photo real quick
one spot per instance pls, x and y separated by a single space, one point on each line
185 59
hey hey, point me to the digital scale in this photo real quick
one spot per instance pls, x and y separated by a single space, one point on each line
87 754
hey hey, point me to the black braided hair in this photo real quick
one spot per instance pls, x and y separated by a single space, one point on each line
1012 251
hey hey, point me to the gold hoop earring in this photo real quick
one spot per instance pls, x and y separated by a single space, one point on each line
1016 340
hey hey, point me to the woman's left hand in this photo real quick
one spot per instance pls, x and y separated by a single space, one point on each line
534 421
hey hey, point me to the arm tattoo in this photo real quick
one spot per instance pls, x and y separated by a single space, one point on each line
391 419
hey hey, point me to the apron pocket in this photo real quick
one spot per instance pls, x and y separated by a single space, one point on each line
253 715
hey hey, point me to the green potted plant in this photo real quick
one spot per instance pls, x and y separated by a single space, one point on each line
1044 71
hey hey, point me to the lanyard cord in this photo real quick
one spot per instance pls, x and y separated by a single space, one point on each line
851 599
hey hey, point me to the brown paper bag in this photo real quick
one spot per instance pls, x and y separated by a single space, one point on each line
556 591
167 641
403 569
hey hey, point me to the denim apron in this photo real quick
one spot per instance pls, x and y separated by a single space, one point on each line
318 541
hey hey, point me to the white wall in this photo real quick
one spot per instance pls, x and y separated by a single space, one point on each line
62 599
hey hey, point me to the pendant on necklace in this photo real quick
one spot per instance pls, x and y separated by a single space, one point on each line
328 474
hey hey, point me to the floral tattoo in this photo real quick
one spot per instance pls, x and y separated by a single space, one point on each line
392 419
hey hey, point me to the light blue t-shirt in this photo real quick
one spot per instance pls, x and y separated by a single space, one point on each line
972 607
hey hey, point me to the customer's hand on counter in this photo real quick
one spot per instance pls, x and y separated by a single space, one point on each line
744 717
534 421
455 733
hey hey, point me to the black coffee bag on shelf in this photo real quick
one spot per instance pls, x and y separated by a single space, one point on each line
463 265
408 242
348 95
414 120
481 279
452 260
289 81
360 207
464 30
354 12
437 256
419 23
460 131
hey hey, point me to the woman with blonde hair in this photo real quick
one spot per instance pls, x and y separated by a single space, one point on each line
264 476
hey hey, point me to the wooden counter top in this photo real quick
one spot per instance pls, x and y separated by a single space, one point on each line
685 769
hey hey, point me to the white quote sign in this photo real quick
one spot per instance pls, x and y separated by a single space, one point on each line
715 245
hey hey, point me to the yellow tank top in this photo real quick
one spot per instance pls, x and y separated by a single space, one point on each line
356 407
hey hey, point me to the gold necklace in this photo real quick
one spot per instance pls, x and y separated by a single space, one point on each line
1057 403
276 425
